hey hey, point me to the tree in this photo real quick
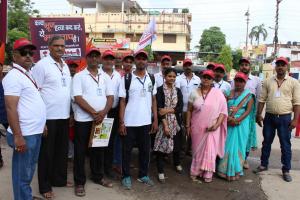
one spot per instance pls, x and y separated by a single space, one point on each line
211 43
225 57
150 52
256 32
237 55
19 12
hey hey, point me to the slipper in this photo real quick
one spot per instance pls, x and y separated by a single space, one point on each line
48 195
104 183
79 190
260 169
207 180
69 184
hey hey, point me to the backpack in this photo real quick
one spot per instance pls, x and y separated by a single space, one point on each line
127 80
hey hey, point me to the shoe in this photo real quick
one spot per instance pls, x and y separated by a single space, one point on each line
126 182
161 178
287 177
260 169
179 169
246 165
146 180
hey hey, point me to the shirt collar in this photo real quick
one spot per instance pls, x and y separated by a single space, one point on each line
52 61
135 76
285 77
250 77
87 72
193 77
19 67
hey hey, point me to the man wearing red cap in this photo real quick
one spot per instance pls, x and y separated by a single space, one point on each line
281 94
187 82
93 94
54 81
136 116
220 71
165 62
26 113
254 85
108 61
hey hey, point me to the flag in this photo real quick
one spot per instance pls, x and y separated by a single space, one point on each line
148 36
3 28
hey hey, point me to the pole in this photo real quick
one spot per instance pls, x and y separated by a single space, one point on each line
247 14
276 28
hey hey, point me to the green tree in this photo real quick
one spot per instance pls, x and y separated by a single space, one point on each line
236 55
19 12
225 57
150 52
211 43
258 31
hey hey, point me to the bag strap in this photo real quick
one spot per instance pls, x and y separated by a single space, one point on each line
240 105
127 80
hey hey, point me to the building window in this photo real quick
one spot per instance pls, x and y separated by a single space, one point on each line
134 37
108 35
169 38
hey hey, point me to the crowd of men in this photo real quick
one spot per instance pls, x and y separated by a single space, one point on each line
48 100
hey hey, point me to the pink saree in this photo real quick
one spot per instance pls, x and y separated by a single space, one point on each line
206 146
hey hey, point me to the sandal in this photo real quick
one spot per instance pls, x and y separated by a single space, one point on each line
48 195
260 169
69 184
208 180
104 183
79 190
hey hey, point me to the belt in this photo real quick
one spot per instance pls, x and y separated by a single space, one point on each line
279 115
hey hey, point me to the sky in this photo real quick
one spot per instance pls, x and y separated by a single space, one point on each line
226 14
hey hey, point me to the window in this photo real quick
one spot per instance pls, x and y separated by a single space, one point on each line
108 35
169 38
134 37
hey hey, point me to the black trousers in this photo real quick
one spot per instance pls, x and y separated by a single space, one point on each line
109 151
81 142
176 154
140 136
5 126
53 158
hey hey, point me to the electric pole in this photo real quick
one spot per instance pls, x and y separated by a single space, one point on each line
247 14
276 28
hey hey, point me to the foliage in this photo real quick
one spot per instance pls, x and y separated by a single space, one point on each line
225 57
19 12
236 55
211 42
185 10
258 31
150 52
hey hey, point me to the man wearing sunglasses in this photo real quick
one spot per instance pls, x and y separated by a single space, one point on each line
54 81
26 114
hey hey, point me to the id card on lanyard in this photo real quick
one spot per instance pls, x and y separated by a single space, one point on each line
143 91
98 90
63 78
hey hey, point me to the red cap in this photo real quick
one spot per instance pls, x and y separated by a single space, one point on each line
128 56
211 64
23 42
141 52
220 66
165 57
72 62
187 60
282 59
244 60
108 53
242 76
208 72
90 50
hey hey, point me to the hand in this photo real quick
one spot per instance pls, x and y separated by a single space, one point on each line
100 116
259 120
20 144
71 121
212 128
45 133
293 124
163 111
154 127
122 129
188 131
167 131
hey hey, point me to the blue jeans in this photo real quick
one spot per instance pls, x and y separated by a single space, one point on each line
117 151
23 165
281 124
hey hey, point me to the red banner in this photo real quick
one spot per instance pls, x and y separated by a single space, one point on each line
3 28
72 29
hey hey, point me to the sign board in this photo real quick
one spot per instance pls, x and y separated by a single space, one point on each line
111 43
72 29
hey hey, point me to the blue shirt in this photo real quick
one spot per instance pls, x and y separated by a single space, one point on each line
3 117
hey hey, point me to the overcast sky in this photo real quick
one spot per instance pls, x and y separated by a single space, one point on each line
227 14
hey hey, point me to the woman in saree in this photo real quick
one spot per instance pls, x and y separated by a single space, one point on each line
240 104
207 126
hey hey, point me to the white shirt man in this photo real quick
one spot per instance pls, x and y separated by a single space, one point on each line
165 61
222 85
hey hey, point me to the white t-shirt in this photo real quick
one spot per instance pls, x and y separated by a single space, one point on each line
138 110
55 87
222 85
187 86
159 79
95 94
116 81
31 108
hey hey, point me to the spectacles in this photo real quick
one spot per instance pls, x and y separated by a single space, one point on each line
207 77
239 80
244 64
24 53
280 64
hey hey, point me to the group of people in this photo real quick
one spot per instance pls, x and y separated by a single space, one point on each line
158 114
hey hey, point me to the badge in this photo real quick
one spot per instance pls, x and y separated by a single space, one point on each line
143 92
99 92
150 87
63 82
277 93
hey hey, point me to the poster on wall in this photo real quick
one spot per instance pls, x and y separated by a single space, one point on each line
72 29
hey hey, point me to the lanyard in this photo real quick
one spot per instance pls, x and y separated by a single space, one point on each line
220 84
204 97
142 82
60 69
279 85
97 81
34 83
